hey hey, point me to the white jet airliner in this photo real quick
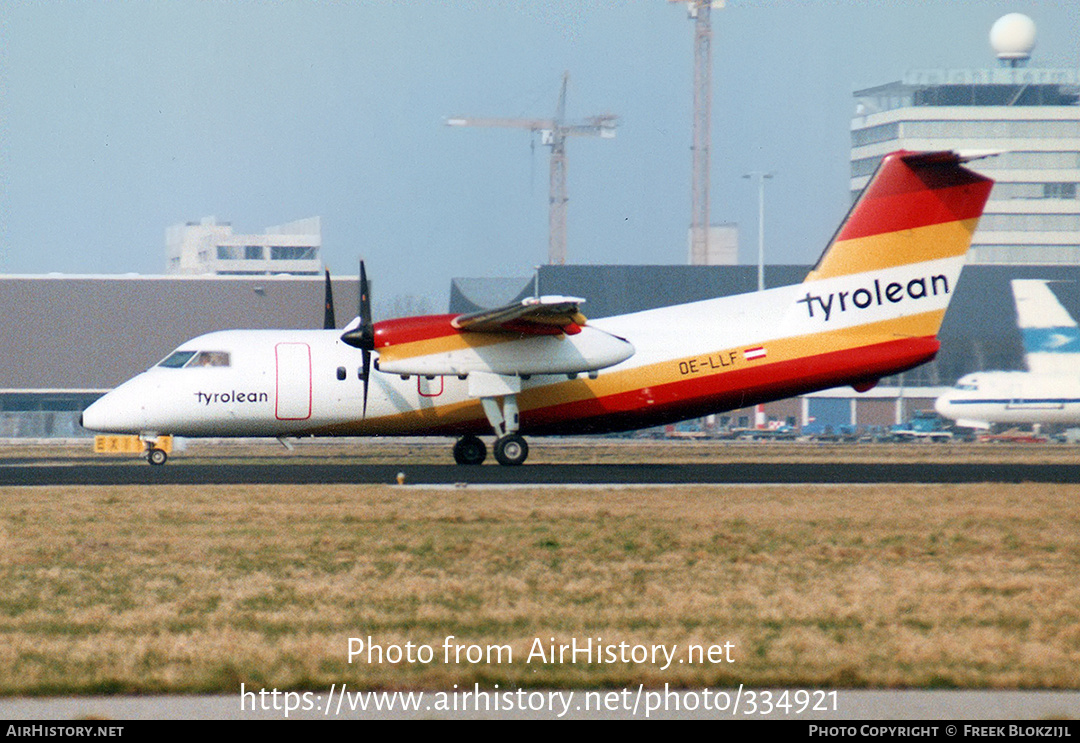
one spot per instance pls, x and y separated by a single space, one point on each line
1049 392
871 307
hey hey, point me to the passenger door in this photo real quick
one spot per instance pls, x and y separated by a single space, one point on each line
293 381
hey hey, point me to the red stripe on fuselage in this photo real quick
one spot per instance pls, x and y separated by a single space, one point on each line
692 398
705 395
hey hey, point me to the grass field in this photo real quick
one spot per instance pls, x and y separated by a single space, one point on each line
149 589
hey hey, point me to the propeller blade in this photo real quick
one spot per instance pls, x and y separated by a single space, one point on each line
363 336
367 374
329 323
367 328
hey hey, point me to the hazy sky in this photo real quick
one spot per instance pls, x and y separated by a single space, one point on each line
118 119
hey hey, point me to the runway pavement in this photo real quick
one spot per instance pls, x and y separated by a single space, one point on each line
129 472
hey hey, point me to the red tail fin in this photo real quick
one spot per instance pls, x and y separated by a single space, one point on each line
917 207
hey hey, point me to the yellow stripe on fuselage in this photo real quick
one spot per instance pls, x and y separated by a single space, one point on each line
892 249
779 350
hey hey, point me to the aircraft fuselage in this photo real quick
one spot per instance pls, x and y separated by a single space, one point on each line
871 307
688 360
1013 398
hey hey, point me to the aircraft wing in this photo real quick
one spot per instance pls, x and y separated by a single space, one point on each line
547 315
538 335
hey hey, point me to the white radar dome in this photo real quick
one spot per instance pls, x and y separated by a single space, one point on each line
1013 36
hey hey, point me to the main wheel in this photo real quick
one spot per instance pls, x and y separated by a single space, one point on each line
511 449
156 456
469 450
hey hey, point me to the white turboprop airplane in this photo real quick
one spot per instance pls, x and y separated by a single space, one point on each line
1049 392
871 307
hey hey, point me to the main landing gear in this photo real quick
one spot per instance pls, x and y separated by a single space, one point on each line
510 449
502 413
469 450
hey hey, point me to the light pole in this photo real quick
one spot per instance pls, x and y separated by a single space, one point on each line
761 225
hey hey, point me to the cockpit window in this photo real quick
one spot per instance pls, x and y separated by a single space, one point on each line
967 386
211 358
180 359
177 359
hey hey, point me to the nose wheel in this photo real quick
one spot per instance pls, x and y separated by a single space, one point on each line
156 457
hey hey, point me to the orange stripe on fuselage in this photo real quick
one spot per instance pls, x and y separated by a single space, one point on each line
725 360
695 397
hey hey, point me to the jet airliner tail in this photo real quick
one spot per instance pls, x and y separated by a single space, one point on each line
1051 336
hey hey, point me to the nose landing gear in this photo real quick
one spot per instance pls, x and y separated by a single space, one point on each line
157 448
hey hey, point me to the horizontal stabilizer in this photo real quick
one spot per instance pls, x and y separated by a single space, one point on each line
967 156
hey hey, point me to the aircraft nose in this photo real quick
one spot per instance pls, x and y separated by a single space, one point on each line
943 405
114 412
94 417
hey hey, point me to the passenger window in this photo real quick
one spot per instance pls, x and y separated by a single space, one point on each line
341 372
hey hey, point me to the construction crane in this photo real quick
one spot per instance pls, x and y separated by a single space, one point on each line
699 12
553 133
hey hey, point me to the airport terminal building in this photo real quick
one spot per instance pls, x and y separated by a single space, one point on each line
1031 116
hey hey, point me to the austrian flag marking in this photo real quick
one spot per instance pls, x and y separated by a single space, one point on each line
757 352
